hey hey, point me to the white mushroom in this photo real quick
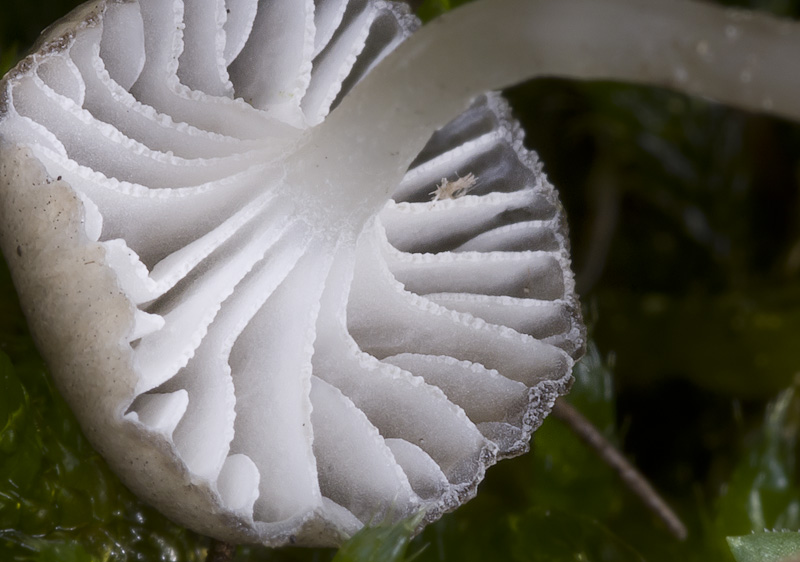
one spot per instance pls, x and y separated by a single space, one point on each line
278 326
267 359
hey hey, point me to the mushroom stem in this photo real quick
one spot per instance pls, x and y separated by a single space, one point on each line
736 57
632 478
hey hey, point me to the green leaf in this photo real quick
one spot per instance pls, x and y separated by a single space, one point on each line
13 407
550 535
783 546
381 543
763 491
430 9
8 57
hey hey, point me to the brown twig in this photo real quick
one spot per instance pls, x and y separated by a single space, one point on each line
220 551
632 478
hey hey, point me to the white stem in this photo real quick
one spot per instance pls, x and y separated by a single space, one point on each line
738 58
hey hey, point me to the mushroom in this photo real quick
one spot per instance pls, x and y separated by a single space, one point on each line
262 356
279 325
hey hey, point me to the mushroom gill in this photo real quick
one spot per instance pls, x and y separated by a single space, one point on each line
265 354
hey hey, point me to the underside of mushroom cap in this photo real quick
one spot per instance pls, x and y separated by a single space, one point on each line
264 358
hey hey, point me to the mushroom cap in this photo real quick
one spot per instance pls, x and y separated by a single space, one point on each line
262 359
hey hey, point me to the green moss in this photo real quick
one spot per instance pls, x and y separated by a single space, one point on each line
766 547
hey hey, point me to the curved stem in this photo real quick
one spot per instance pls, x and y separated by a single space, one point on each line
739 58
633 479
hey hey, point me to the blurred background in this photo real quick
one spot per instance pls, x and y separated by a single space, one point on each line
685 228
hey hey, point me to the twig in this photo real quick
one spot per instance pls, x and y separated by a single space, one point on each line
632 478
220 551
